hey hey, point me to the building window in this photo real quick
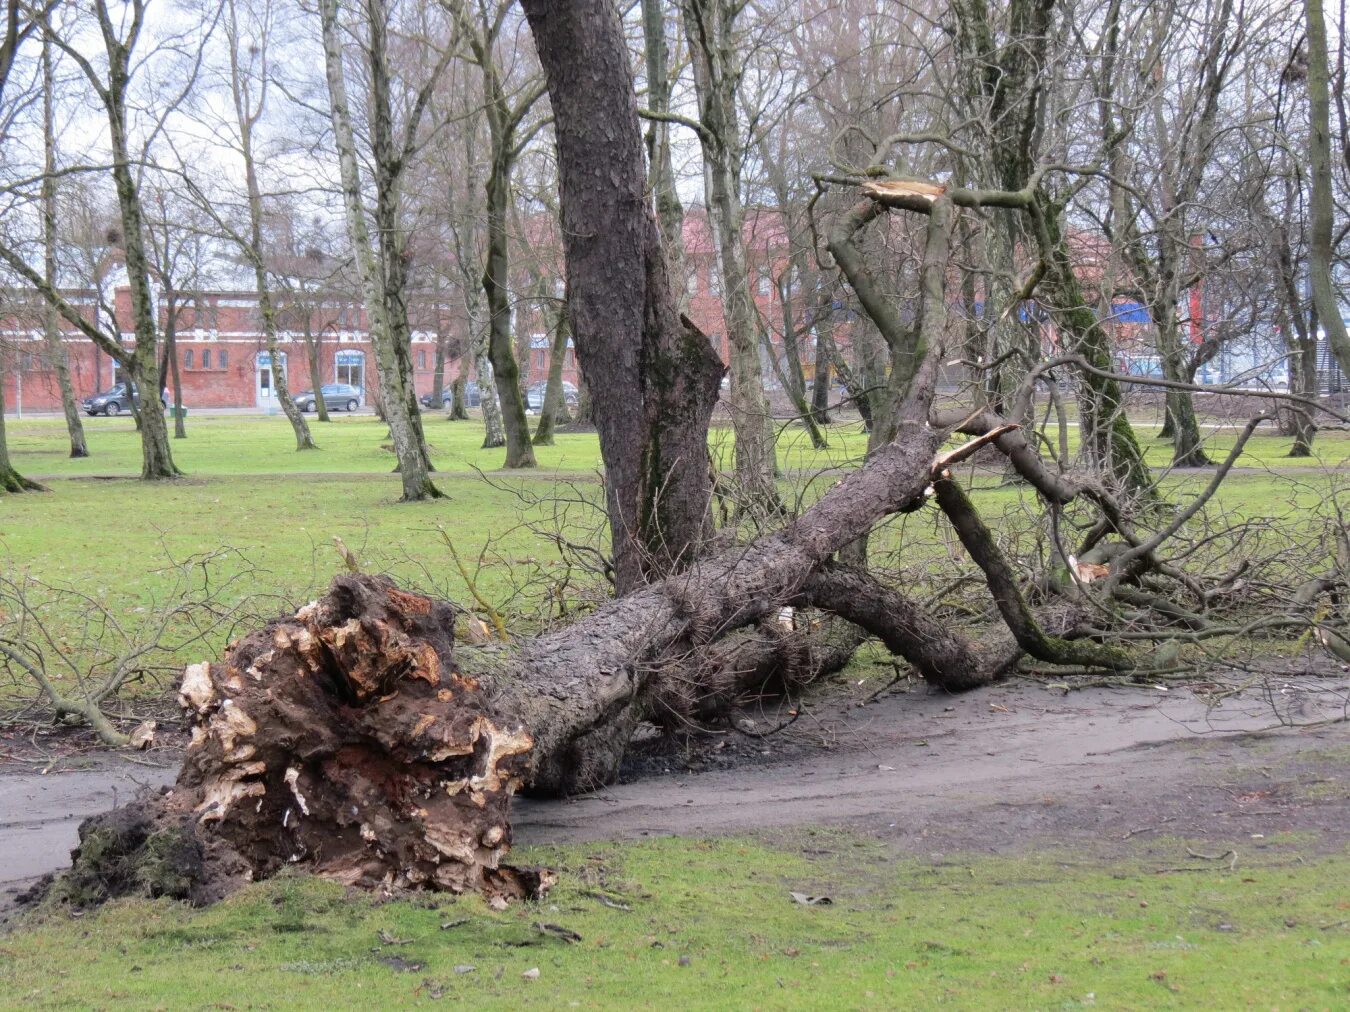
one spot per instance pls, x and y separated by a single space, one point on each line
765 283
421 359
693 280
206 358
187 359
221 359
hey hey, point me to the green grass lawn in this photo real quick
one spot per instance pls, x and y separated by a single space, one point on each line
247 489
710 924
1038 932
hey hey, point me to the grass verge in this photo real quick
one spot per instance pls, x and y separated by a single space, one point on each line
710 924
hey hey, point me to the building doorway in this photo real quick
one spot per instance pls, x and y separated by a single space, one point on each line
349 367
264 395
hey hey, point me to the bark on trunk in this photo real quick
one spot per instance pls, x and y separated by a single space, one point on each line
665 196
493 433
459 409
659 374
496 281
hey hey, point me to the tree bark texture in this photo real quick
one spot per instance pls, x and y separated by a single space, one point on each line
653 376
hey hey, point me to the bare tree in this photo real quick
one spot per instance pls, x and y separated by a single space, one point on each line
1320 251
711 29
248 49
506 106
110 84
382 265
56 345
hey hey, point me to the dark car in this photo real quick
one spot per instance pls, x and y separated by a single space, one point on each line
336 397
472 398
534 396
116 400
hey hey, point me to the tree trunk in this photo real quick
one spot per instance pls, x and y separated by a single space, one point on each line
553 412
505 368
665 195
247 113
710 28
459 409
10 479
438 369
312 353
404 424
171 359
56 347
494 434
1320 252
795 378
659 374
143 365
353 740
1184 428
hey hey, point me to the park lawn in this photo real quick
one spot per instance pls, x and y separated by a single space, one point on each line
353 444
117 538
710 924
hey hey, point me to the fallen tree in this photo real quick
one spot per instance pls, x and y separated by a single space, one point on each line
356 739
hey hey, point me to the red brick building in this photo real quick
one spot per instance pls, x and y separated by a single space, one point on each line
222 358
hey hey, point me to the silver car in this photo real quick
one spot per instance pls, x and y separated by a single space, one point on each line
336 397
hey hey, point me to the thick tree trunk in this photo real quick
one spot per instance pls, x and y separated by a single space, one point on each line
659 375
353 740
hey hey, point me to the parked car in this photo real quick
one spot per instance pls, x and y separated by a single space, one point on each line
472 398
336 397
534 396
115 400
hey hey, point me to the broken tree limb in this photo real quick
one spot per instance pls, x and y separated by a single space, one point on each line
1003 585
940 655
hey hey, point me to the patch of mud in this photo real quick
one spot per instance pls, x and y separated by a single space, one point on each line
1004 768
